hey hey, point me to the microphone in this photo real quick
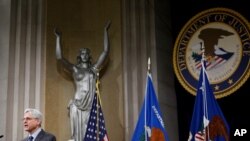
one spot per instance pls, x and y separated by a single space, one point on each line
1 136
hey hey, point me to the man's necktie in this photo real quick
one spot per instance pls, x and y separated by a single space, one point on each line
30 138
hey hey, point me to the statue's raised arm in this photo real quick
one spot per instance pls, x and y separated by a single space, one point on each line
59 56
105 52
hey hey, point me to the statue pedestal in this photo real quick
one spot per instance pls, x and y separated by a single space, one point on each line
71 140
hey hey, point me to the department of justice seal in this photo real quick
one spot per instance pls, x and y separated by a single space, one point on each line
224 34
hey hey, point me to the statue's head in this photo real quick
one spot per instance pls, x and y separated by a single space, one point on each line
84 50
84 56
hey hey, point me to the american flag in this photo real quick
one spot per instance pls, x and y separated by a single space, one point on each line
96 131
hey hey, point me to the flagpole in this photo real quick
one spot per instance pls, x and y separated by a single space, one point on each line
97 105
205 109
145 112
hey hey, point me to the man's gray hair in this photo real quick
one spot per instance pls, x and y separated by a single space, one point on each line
35 113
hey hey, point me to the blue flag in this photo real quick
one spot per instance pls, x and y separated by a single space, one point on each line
96 130
150 125
208 122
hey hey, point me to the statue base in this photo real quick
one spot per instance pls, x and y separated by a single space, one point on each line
71 140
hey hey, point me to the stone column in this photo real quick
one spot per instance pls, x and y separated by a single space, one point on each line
22 63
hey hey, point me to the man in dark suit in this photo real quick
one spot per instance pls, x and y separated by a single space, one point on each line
32 122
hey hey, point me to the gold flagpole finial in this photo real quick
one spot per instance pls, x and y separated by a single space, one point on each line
203 52
97 74
203 59
149 63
